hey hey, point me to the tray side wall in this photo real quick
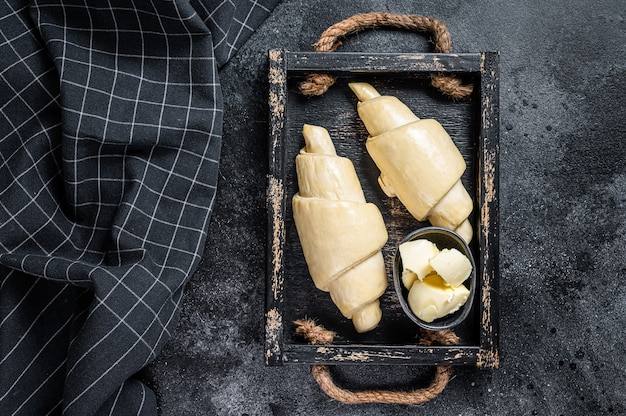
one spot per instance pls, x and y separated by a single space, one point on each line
274 302
488 355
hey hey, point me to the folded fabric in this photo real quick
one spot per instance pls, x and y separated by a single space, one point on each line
110 136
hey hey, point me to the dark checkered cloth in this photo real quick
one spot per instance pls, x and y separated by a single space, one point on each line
110 133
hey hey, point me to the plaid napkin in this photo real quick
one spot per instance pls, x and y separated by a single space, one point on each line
110 133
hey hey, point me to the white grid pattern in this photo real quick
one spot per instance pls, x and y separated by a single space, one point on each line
110 132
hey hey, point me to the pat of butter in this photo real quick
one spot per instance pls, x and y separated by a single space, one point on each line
432 298
452 265
415 256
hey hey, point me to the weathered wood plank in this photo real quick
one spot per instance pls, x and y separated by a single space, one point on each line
373 63
489 211
379 355
275 211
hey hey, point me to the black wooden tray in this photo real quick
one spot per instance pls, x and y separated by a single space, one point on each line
473 123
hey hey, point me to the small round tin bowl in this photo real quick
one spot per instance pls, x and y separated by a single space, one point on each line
443 238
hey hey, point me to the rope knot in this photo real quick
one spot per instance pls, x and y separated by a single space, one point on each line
313 333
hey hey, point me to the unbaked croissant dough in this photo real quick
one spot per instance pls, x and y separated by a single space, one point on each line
419 162
340 233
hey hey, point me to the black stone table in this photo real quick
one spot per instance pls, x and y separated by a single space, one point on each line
562 213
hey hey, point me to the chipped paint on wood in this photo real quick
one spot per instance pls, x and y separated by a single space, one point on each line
427 62
361 356
275 206
488 356
277 96
489 192
273 331
275 196
488 359
275 190
380 354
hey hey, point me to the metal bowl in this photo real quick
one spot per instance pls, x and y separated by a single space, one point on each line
443 238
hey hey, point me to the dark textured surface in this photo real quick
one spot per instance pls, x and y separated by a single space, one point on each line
563 224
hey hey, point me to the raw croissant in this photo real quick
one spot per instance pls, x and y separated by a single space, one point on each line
418 160
341 235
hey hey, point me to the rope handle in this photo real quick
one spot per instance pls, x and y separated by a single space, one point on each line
316 334
449 84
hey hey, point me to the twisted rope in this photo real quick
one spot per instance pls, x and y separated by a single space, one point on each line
316 334
449 84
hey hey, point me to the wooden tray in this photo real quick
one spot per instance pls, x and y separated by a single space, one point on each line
473 123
